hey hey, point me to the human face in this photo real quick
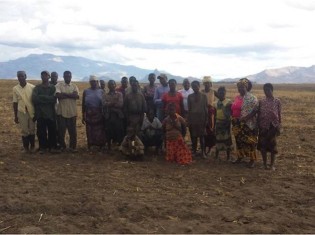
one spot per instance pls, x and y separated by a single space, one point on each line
163 81
242 89
102 84
172 86
221 95
186 85
151 79
172 110
111 86
22 79
207 85
268 92
134 86
67 77
93 84
195 87
54 77
124 83
45 77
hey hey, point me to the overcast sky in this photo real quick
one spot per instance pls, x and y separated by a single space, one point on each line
221 38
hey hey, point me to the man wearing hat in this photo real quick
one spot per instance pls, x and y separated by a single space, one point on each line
44 101
24 111
159 92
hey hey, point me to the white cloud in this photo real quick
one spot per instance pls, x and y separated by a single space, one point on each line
223 38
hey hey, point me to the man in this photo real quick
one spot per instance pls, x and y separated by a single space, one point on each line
123 86
67 94
148 92
158 94
24 111
54 78
134 109
103 85
44 101
186 91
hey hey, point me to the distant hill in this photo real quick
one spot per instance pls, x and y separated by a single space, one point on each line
289 74
80 67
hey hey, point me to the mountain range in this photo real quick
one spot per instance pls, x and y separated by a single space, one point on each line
82 67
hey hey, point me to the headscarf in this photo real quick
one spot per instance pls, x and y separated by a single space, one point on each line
207 79
244 81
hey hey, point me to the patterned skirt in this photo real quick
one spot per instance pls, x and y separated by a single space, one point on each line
223 135
267 139
95 130
177 151
246 139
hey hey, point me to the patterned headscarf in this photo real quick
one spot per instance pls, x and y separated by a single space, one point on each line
243 81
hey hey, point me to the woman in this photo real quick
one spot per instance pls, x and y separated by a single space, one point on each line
197 117
92 116
173 97
113 113
223 124
269 122
244 122
210 132
148 92
176 148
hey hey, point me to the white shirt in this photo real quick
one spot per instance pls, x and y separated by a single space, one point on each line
185 94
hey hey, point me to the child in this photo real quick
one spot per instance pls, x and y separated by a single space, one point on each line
132 146
269 122
176 148
223 124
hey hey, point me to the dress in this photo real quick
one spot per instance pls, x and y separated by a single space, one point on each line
245 132
269 121
176 148
223 125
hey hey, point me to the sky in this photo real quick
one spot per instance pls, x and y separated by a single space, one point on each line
220 38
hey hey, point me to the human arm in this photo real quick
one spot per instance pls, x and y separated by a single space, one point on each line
83 108
15 109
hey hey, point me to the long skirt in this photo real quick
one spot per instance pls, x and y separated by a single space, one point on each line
223 135
114 127
177 151
210 138
95 130
246 140
267 139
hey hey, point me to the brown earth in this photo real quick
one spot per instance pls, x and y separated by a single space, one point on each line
102 193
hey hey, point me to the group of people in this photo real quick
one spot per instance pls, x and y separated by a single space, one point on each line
134 118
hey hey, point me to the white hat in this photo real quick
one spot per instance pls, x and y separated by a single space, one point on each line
207 79
93 78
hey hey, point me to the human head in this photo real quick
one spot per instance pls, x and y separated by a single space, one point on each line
124 82
221 93
21 75
172 85
45 75
207 82
54 78
195 85
186 84
150 115
151 78
134 85
268 90
242 86
93 81
102 84
67 76
131 79
163 79
111 84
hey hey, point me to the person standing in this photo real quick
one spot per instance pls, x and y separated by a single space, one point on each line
223 124
186 91
197 117
148 92
113 114
24 111
103 85
67 94
244 123
92 115
44 101
210 132
269 123
158 94
123 86
53 81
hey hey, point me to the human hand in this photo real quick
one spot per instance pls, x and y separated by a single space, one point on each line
16 120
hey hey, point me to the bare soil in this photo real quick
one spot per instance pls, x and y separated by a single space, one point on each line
92 192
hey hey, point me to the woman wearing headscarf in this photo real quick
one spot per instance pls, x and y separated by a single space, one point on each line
244 122
92 115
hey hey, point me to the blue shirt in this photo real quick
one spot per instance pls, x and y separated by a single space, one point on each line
159 92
